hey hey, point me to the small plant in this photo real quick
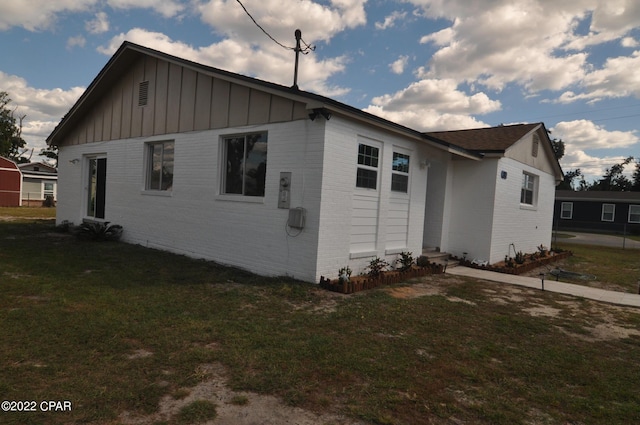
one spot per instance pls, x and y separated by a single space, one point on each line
422 261
520 257
240 400
542 250
406 260
344 274
99 231
508 261
377 266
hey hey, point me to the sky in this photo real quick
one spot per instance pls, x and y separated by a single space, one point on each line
430 65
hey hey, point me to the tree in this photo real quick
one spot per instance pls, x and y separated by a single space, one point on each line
635 186
51 152
569 176
11 141
613 179
558 148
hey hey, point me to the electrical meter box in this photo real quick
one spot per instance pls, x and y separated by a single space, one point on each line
296 218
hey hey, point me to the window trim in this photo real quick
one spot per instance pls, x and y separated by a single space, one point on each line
570 204
223 167
636 213
613 213
534 190
148 168
361 166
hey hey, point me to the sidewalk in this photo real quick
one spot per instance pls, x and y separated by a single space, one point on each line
550 285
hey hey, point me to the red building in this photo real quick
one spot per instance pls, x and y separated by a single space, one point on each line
10 184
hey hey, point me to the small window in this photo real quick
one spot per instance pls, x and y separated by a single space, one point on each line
528 191
160 166
634 213
608 212
367 173
143 93
245 167
48 189
567 210
400 173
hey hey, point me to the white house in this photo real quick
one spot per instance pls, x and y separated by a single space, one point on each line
39 181
211 164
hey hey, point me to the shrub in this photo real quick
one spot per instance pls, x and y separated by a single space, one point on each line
520 257
422 261
406 260
99 231
344 274
377 266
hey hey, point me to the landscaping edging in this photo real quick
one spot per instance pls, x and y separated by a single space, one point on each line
361 283
518 269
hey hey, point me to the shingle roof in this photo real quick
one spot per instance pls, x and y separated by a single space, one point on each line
597 195
489 139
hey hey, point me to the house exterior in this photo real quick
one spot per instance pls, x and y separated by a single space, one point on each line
215 165
601 211
497 206
10 183
39 181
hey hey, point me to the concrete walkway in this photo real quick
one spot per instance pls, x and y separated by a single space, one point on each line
621 298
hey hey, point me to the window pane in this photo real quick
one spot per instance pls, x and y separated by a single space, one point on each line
366 178
167 166
399 183
567 210
255 165
368 155
235 160
634 213
91 203
400 162
156 167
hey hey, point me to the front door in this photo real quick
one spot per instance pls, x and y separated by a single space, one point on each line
96 189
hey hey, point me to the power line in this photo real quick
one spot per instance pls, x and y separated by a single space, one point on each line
305 51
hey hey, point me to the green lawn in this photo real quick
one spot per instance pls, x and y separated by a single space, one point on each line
27 212
74 314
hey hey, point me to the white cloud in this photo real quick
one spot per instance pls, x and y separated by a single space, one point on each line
398 66
98 25
584 134
43 108
535 44
167 8
629 42
271 63
36 15
433 105
280 18
390 20
77 41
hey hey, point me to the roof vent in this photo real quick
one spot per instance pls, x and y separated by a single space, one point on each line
143 93
536 143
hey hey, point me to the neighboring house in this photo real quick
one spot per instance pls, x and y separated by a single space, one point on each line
211 164
615 212
10 183
39 181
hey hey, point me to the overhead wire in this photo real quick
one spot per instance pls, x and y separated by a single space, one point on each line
305 51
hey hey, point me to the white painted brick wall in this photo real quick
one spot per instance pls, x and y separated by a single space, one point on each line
195 220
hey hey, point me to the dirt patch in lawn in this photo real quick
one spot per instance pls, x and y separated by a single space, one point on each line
232 407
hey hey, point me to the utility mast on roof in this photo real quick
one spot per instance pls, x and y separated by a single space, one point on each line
297 49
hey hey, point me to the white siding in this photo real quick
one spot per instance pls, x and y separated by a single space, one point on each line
196 221
524 227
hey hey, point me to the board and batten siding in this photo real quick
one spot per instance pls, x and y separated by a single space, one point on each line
179 99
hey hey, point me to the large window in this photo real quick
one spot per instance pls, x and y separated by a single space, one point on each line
567 210
245 167
160 166
634 213
608 212
367 174
400 173
528 191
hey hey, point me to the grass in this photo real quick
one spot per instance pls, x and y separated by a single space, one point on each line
27 212
76 317
614 268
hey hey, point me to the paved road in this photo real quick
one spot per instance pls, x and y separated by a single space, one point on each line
601 240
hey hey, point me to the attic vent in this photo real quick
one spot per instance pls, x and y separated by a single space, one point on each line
534 147
143 93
